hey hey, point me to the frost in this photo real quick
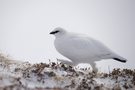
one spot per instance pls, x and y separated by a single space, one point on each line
15 75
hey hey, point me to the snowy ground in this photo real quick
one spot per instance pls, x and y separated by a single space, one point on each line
16 75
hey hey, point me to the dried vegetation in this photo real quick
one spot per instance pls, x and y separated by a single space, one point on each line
56 76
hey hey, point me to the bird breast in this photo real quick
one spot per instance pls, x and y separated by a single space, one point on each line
73 49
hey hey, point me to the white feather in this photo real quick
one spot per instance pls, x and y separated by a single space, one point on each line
81 48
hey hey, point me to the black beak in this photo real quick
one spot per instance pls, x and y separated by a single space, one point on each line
51 32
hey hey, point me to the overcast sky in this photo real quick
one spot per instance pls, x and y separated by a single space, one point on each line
25 27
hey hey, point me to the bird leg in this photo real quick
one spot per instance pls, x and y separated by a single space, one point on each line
93 65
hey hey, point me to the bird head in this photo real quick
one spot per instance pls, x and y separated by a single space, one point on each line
58 31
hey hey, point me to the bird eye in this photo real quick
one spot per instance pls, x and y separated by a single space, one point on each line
54 32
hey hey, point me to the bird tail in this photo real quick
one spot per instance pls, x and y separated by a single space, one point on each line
120 59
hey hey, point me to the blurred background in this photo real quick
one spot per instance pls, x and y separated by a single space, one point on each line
25 26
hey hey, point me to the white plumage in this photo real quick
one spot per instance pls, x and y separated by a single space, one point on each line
81 48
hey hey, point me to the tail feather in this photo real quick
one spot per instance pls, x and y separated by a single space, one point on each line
121 60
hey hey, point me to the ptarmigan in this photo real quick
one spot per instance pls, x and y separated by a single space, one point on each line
81 48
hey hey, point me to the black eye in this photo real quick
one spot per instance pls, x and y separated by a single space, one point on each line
54 32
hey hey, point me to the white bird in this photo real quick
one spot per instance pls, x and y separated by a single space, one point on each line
81 48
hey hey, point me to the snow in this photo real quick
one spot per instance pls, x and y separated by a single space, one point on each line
24 75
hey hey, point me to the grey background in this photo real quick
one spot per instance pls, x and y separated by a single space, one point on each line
25 27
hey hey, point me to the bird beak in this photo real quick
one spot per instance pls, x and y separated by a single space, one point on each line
51 33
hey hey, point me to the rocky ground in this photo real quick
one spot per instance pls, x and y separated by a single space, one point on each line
16 75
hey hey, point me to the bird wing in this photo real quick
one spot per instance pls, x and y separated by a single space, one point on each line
90 46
